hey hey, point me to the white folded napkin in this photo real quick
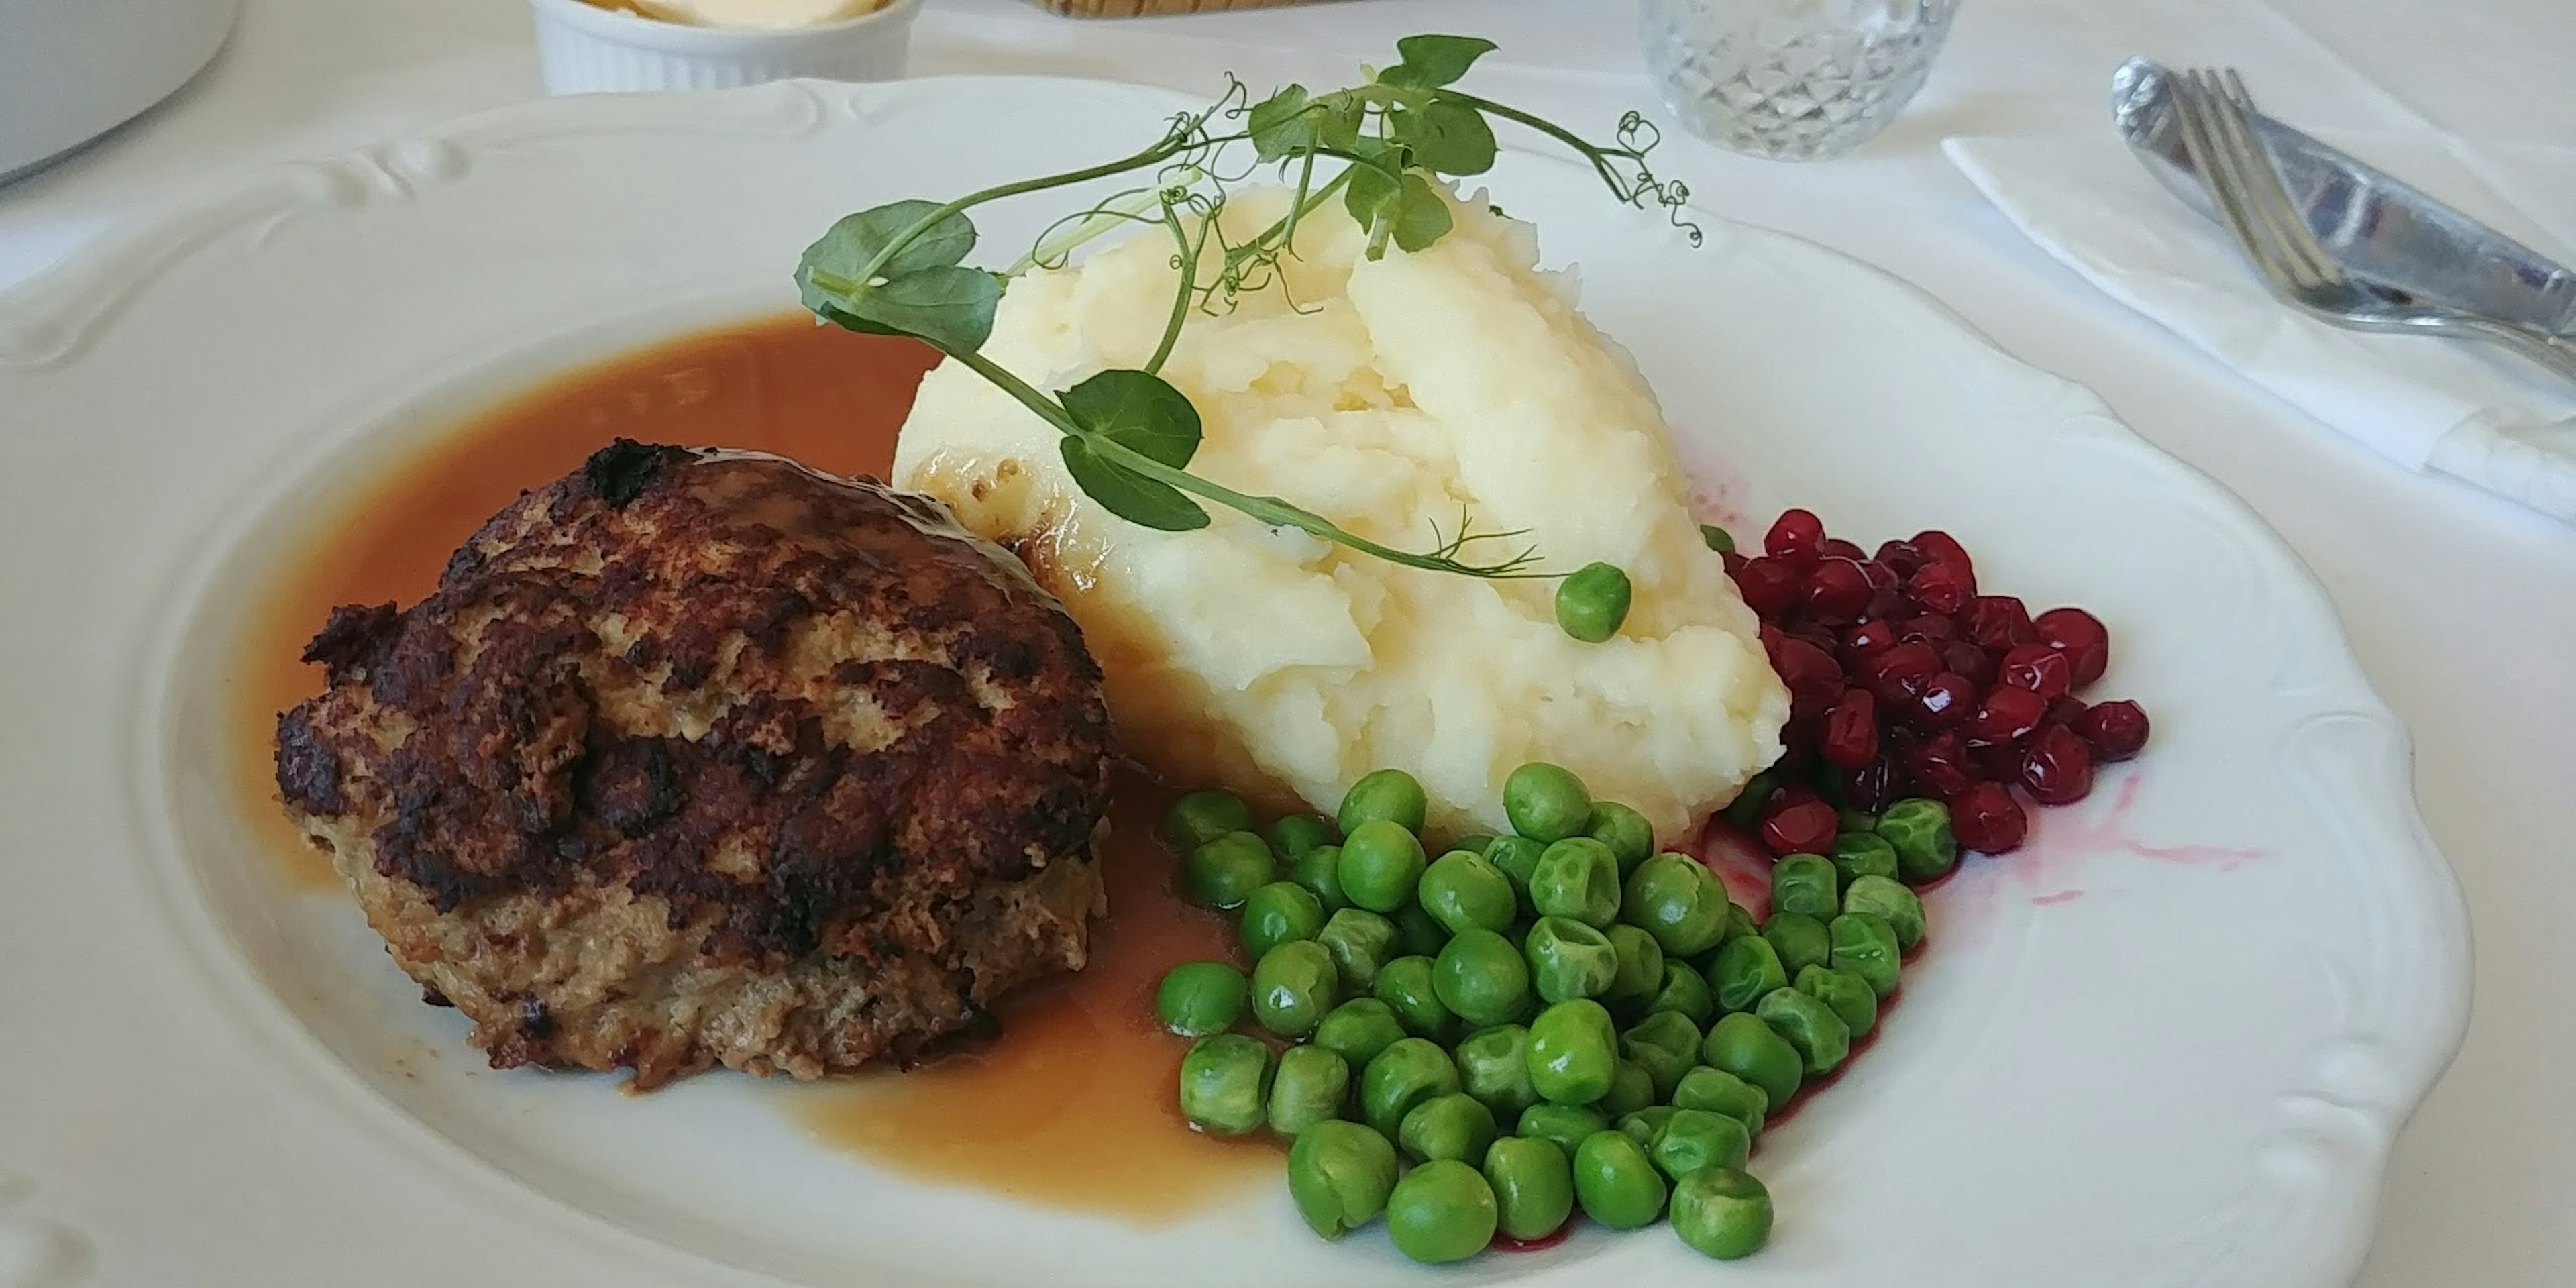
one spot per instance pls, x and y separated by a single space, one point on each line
2466 410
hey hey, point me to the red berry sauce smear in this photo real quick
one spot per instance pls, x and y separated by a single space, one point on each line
1906 678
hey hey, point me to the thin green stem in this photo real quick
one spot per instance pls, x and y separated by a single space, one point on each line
1186 258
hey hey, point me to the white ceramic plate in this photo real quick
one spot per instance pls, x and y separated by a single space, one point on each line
2167 1044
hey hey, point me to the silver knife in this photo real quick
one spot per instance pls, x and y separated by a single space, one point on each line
2383 231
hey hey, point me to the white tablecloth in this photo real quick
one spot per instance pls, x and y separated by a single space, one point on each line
2462 607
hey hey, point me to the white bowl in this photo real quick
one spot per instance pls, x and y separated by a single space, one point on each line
582 48
71 72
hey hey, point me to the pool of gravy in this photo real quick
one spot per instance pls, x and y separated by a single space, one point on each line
1073 1106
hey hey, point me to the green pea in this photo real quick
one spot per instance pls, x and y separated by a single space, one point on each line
1442 1211
1197 999
1416 934
1821 1037
1855 820
1743 1045
1292 986
1481 976
1358 1029
1379 866
1919 828
1318 872
1631 1089
1309 1087
1850 997
1493 1066
1807 885
1224 1080
1719 1092
1744 813
1900 908
1340 1175
1456 1125
1533 1183
1463 892
1739 923
1722 1213
1574 1052
1684 993
1361 943
1798 939
1695 1139
1295 836
1563 1126
1388 795
1630 837
1279 913
1866 946
1408 984
1408 1072
1862 854
1578 878
1743 971
1201 817
1592 601
1643 1125
1569 959
1516 857
1546 803
1640 971
1675 898
1666 1046
1717 538
1474 843
1617 1185
1224 872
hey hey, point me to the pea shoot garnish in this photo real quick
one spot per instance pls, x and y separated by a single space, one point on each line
1128 435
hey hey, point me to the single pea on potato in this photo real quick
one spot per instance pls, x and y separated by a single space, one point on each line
1568 959
1820 1036
1533 1183
1198 999
1309 1086
1340 1174
1293 985
1573 1052
1860 854
1390 795
1578 878
1866 946
1616 1183
1362 943
1799 940
1200 817
1442 1211
1685 993
1563 1126
1402 1076
1630 837
1592 602
1278 913
1900 908
1719 1092
1722 1213
1693 1140
1741 1044
1926 848
1806 884
1547 803
1224 871
1676 899
1379 866
1463 892
1295 836
1358 1029
1640 971
1225 1081
1493 1066
1456 1125
1744 970
1845 994
1481 977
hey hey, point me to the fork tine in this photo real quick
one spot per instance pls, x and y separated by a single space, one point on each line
2200 143
2266 194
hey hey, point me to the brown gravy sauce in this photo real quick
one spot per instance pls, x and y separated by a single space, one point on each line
1073 1107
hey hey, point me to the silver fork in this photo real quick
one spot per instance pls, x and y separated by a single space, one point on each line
2212 109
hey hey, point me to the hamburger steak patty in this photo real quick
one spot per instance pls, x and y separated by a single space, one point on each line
700 757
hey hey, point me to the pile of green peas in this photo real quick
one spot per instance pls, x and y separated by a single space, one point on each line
1557 1019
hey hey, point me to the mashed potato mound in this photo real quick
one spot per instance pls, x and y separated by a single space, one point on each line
1390 396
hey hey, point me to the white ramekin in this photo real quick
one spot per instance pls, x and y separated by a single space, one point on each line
582 48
